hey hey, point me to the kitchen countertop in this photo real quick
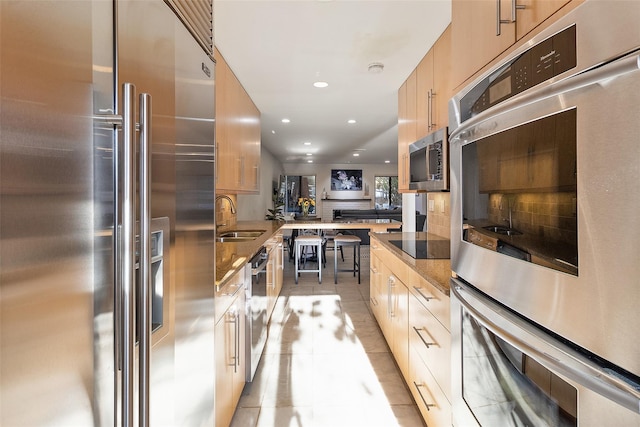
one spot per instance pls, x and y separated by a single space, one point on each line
231 257
435 271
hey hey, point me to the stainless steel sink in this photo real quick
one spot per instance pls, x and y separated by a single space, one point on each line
500 229
239 235
235 239
242 233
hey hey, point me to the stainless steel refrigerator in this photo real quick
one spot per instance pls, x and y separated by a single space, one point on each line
106 213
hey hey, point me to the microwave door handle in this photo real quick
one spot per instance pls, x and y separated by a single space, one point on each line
563 360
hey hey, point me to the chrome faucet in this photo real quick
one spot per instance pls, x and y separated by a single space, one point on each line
229 199
233 208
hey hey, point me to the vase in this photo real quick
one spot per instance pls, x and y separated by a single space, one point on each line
305 211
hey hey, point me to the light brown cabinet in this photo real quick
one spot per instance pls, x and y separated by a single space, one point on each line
229 348
434 87
423 102
237 134
415 320
480 34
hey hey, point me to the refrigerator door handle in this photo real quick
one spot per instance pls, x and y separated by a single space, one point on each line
125 287
145 260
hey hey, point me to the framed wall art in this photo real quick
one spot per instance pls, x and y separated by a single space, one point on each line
346 179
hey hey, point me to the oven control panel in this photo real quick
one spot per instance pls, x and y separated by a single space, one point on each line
538 64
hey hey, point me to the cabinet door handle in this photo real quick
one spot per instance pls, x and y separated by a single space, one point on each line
500 21
428 405
427 344
419 290
234 320
430 96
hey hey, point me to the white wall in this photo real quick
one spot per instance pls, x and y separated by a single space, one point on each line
254 207
323 178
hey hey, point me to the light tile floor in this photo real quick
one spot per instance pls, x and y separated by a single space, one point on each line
326 363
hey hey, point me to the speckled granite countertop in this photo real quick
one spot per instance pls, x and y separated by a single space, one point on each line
231 257
435 271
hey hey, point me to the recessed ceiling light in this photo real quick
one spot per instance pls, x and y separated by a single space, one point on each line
309 154
309 161
351 121
286 121
387 161
273 132
356 154
321 84
307 143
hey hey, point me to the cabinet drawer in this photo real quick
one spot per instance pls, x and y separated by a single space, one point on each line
426 391
226 295
433 299
431 342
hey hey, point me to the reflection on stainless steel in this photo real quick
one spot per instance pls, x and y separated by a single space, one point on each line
507 231
60 219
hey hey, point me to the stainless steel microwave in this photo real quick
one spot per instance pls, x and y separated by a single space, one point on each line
429 162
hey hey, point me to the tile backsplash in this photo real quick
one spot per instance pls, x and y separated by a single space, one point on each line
439 214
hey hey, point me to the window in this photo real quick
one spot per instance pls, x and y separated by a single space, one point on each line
387 195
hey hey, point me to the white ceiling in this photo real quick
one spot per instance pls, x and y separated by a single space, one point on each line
278 49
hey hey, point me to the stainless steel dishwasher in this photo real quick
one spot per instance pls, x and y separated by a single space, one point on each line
256 312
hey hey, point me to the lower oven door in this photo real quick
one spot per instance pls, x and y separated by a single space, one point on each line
508 372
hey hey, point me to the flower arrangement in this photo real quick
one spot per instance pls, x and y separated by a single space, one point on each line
306 203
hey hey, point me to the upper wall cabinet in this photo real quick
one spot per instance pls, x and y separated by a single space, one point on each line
483 29
423 102
434 87
237 134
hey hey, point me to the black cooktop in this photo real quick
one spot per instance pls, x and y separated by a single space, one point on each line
424 249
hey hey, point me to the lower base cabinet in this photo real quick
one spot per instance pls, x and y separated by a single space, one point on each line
414 318
229 348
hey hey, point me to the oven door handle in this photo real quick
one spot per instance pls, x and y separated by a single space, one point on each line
261 267
554 355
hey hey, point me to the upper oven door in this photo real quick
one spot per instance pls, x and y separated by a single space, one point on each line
558 163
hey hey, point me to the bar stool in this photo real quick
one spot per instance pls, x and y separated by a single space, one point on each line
301 242
346 240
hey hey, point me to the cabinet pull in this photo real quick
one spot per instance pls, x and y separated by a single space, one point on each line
234 320
430 96
231 294
419 290
427 405
427 344
391 285
500 21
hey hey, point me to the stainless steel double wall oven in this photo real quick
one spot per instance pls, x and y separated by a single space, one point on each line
545 159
